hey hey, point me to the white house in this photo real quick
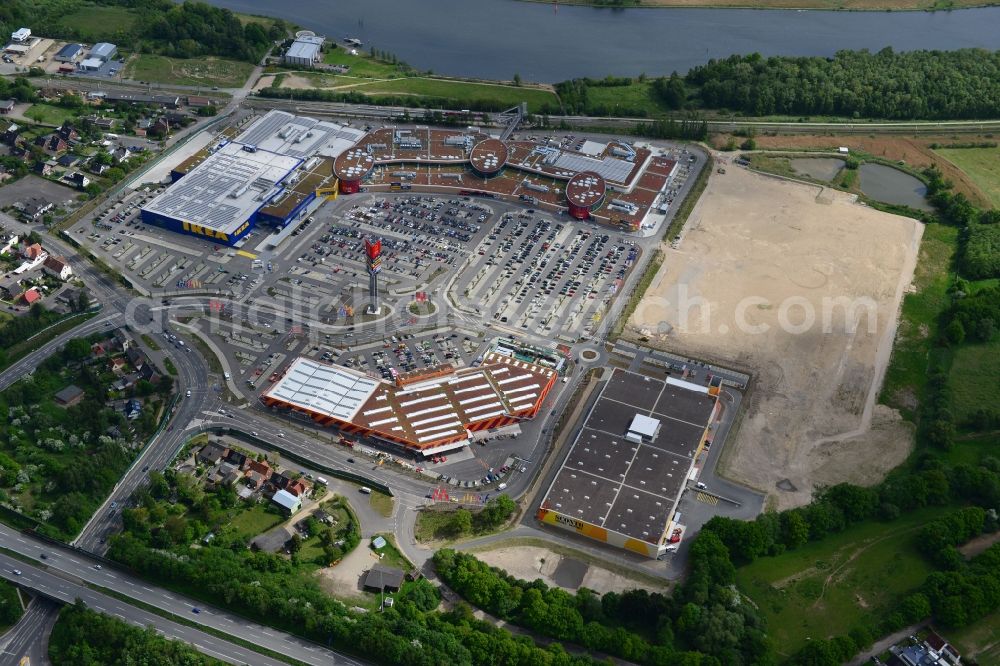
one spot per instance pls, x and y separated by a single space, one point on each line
287 501
21 35
9 243
57 267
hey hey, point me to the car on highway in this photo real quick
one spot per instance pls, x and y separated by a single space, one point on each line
188 394
98 566
17 572
196 610
281 434
350 460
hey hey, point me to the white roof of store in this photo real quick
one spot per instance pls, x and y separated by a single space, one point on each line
226 189
644 425
328 389
305 47
299 136
92 63
103 49
593 148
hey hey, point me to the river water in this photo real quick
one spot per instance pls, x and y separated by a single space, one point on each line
495 39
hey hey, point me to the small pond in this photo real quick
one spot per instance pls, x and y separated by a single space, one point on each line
888 185
820 168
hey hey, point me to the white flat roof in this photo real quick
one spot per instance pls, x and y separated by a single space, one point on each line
287 500
299 136
227 188
20 34
303 49
328 389
644 425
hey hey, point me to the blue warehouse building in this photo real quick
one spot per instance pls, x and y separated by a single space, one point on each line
268 175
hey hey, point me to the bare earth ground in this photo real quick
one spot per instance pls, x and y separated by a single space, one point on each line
529 563
344 579
810 418
915 152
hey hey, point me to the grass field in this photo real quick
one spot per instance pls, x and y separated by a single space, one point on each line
981 164
973 378
907 371
208 71
254 520
638 95
980 640
826 588
362 65
462 91
97 23
48 114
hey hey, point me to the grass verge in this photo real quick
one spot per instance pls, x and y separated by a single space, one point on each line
47 114
640 288
913 350
383 504
693 195
981 164
150 342
392 556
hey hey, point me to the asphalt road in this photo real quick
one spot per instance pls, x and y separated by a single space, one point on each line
66 572
30 636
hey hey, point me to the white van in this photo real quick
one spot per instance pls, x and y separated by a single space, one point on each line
502 486
363 489
320 479
111 136
226 375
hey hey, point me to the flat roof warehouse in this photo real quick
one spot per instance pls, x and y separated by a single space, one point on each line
623 489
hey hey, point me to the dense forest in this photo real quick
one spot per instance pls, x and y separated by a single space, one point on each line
962 84
183 30
82 637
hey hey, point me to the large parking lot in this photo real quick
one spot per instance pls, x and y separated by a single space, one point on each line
546 277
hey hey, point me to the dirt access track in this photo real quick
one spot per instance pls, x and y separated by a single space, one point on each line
758 254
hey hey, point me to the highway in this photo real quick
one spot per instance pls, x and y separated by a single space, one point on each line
65 573
29 637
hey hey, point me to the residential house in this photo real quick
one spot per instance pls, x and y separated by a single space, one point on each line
67 132
69 53
31 296
10 287
136 357
211 454
121 154
11 134
381 578
77 179
177 118
279 481
32 252
224 474
8 242
298 487
6 106
97 168
57 267
52 143
70 395
68 160
236 458
44 168
126 382
105 123
149 373
260 467
161 126
287 501
122 339
133 408
116 364
196 101
97 350
34 208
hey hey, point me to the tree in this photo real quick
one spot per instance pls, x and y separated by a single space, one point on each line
459 523
517 79
954 332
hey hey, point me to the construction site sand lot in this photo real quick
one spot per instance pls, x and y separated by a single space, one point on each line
555 570
758 251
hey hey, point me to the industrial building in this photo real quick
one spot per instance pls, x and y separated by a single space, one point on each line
103 51
584 193
622 479
305 51
430 411
69 53
270 173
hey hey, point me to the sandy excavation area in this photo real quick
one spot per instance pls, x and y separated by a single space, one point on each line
760 258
